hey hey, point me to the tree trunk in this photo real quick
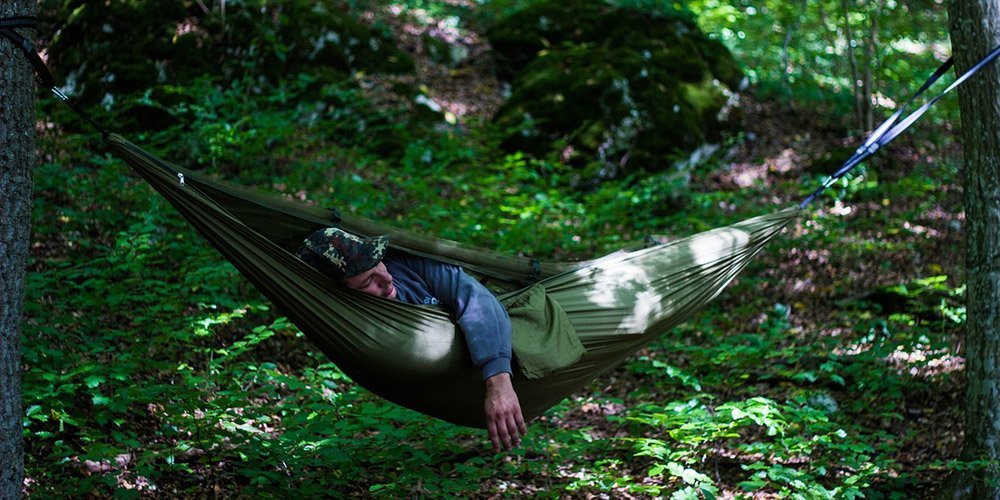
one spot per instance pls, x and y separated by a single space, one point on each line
831 33
870 65
17 152
975 30
855 76
786 64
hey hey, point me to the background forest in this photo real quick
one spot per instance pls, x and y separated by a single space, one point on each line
562 130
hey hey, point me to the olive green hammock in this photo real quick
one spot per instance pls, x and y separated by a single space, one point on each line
413 355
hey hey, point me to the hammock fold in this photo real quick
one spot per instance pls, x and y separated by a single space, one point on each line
414 355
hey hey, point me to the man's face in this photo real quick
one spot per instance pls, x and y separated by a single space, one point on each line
376 281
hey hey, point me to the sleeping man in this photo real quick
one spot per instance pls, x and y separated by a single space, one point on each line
363 264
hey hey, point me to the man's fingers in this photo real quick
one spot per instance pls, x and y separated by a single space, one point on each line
512 429
504 434
492 427
519 418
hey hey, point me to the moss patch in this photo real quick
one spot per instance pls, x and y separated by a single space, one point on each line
625 87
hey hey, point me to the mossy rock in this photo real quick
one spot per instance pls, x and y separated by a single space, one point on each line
443 52
118 48
297 34
622 86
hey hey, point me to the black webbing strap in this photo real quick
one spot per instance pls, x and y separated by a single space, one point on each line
42 73
7 26
889 129
19 22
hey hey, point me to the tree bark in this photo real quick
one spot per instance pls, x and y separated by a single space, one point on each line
17 152
786 63
855 75
831 33
870 64
975 30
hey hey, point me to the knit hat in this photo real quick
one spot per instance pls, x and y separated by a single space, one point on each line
340 254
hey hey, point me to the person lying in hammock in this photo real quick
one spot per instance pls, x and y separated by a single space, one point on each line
365 265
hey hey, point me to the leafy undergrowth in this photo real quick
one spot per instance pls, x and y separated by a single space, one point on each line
830 368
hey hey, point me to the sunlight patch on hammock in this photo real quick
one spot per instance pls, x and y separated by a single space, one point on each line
648 305
634 286
428 346
626 287
431 341
615 285
708 248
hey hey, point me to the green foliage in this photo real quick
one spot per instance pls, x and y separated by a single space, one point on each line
237 126
809 445
152 367
793 436
800 51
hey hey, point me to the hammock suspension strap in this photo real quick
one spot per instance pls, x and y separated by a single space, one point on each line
889 129
42 73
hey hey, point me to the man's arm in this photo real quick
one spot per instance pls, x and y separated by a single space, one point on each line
481 317
487 330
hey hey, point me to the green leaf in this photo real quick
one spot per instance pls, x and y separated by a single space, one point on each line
93 381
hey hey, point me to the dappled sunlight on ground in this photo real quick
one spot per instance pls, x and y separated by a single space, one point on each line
928 363
745 175
919 362
466 90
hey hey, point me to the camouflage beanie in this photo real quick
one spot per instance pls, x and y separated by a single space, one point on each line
340 254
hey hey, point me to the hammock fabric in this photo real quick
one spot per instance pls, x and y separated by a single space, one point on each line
413 355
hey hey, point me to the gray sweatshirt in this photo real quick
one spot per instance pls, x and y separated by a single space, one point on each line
482 319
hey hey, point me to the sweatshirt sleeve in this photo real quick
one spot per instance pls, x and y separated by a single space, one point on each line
481 317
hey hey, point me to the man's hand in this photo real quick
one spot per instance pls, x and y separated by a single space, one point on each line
503 413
